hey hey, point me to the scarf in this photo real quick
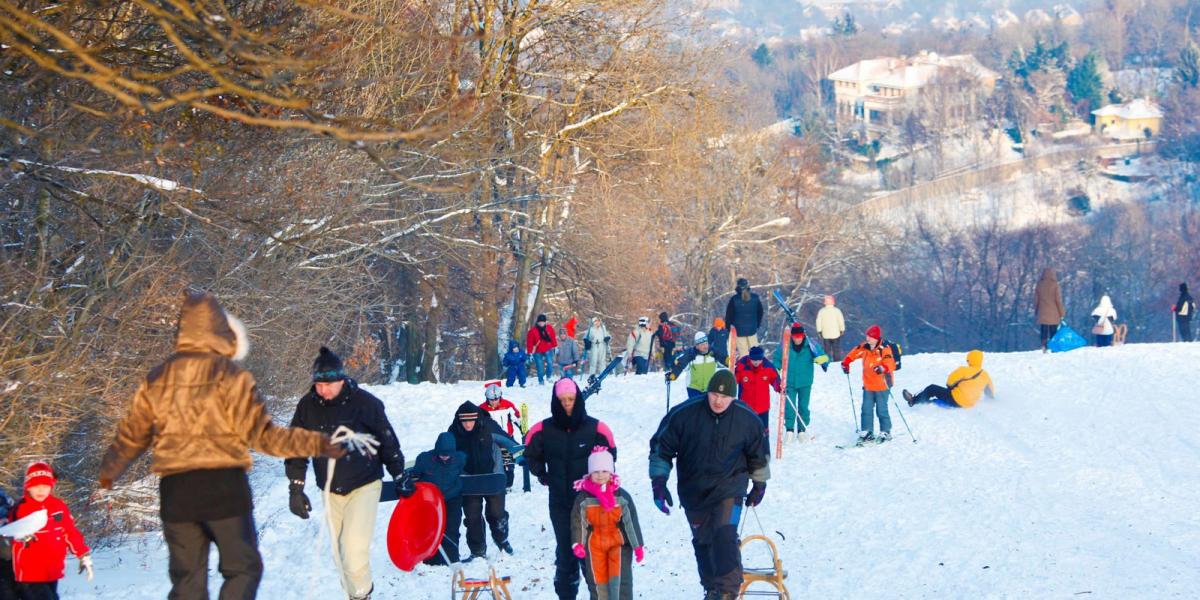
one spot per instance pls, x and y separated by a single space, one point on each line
606 494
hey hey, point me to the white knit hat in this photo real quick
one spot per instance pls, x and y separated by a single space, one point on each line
601 460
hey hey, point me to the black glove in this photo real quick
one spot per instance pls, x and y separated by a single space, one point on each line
405 485
662 496
825 367
878 369
542 480
297 502
669 376
757 491
846 368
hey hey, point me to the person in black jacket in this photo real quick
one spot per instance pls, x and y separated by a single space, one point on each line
557 451
744 313
443 467
481 438
719 448
1184 308
8 581
336 400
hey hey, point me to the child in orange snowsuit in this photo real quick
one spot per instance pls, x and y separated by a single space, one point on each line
605 530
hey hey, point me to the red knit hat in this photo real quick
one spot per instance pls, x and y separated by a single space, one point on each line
875 332
39 473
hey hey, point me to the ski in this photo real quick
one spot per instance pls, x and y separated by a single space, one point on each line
784 351
594 381
733 357
791 314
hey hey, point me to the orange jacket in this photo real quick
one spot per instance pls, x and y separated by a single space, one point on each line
880 355
968 383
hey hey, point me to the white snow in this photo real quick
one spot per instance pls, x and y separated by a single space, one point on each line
1079 480
158 183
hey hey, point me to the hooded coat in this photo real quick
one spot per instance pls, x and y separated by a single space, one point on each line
557 448
483 470
1184 307
1048 300
445 474
515 357
968 383
1105 315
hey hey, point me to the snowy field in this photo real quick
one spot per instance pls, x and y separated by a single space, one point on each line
1081 480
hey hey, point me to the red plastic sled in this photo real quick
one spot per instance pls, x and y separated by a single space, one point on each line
416 527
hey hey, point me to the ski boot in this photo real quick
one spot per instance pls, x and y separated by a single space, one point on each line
908 397
865 437
883 437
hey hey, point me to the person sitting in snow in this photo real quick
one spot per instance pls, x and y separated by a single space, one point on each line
504 413
605 533
700 364
756 377
443 467
514 364
39 561
479 437
963 388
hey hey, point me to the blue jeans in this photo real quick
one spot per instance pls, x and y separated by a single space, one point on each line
640 365
541 361
876 403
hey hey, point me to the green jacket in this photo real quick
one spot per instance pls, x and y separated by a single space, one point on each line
801 363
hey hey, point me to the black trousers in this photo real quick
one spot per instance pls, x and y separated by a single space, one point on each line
715 541
832 348
567 568
474 515
1047 332
1185 327
37 591
450 538
240 564
8 581
935 393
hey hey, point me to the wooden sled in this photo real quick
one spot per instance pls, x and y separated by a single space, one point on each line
773 575
1119 333
495 587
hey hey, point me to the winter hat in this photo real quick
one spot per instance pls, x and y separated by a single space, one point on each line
719 323
1183 288
541 319
756 353
723 382
875 332
467 411
601 460
700 338
327 367
445 444
39 473
797 328
664 317
742 283
643 320
558 414
492 391
564 386
829 300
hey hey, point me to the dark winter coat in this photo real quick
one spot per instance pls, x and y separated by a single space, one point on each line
718 343
483 473
361 412
1048 300
1184 306
557 449
515 358
445 474
744 315
717 455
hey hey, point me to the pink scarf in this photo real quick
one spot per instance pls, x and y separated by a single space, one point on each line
606 494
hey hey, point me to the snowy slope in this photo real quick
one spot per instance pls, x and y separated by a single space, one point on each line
1080 480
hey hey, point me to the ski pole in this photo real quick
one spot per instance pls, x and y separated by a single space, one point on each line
893 399
1174 326
668 395
853 413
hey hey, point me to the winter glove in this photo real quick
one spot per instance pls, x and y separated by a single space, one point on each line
405 486
639 553
85 566
331 449
662 497
579 551
879 369
542 480
757 491
297 502
825 367
846 368
670 376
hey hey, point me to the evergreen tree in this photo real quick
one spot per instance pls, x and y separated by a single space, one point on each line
1188 71
762 56
845 25
1084 84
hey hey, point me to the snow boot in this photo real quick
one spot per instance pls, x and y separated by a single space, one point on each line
865 437
908 397
883 436
506 547
473 556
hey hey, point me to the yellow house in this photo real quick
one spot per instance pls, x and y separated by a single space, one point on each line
1135 120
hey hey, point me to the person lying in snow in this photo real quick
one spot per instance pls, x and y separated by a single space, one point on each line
963 387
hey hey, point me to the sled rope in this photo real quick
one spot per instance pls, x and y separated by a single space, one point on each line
363 443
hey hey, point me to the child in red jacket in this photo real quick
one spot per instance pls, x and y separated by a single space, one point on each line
39 561
756 377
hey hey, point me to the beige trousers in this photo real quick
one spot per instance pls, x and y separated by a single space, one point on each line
744 344
352 524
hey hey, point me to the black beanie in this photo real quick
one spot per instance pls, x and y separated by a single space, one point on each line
743 283
663 316
1183 287
327 367
723 382
541 319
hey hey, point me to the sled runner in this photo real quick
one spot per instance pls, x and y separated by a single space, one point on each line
416 527
772 575
475 589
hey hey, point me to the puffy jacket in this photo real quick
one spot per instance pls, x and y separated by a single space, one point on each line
588 518
557 448
717 455
568 353
967 383
800 362
445 474
744 315
880 355
515 357
536 343
755 383
830 323
700 367
1048 300
43 559
1184 306
640 343
718 342
199 409
360 411
483 474
505 414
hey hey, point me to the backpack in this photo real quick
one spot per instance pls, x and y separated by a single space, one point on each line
897 351
667 332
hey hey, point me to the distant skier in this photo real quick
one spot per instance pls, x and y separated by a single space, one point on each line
963 387
567 356
718 341
514 364
1184 308
596 349
803 353
744 312
830 325
1105 322
756 377
667 335
878 365
719 447
39 561
700 365
505 414
605 532
540 343
638 347
1049 306
481 439
443 467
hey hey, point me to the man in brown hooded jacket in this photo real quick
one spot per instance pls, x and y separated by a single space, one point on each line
1049 305
201 413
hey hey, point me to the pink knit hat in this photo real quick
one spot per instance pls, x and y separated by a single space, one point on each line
564 386
601 460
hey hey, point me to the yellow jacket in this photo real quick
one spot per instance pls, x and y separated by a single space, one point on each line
968 383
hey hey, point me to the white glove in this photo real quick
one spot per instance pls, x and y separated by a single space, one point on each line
85 564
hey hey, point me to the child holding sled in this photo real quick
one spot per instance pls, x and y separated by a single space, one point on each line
39 561
605 531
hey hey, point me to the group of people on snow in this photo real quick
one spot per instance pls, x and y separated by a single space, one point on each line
556 353
1105 330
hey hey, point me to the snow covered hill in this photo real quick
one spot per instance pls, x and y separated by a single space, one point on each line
1082 479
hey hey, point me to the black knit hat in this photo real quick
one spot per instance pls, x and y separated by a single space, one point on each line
541 319
723 382
327 367
743 283
1183 288
797 328
664 317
